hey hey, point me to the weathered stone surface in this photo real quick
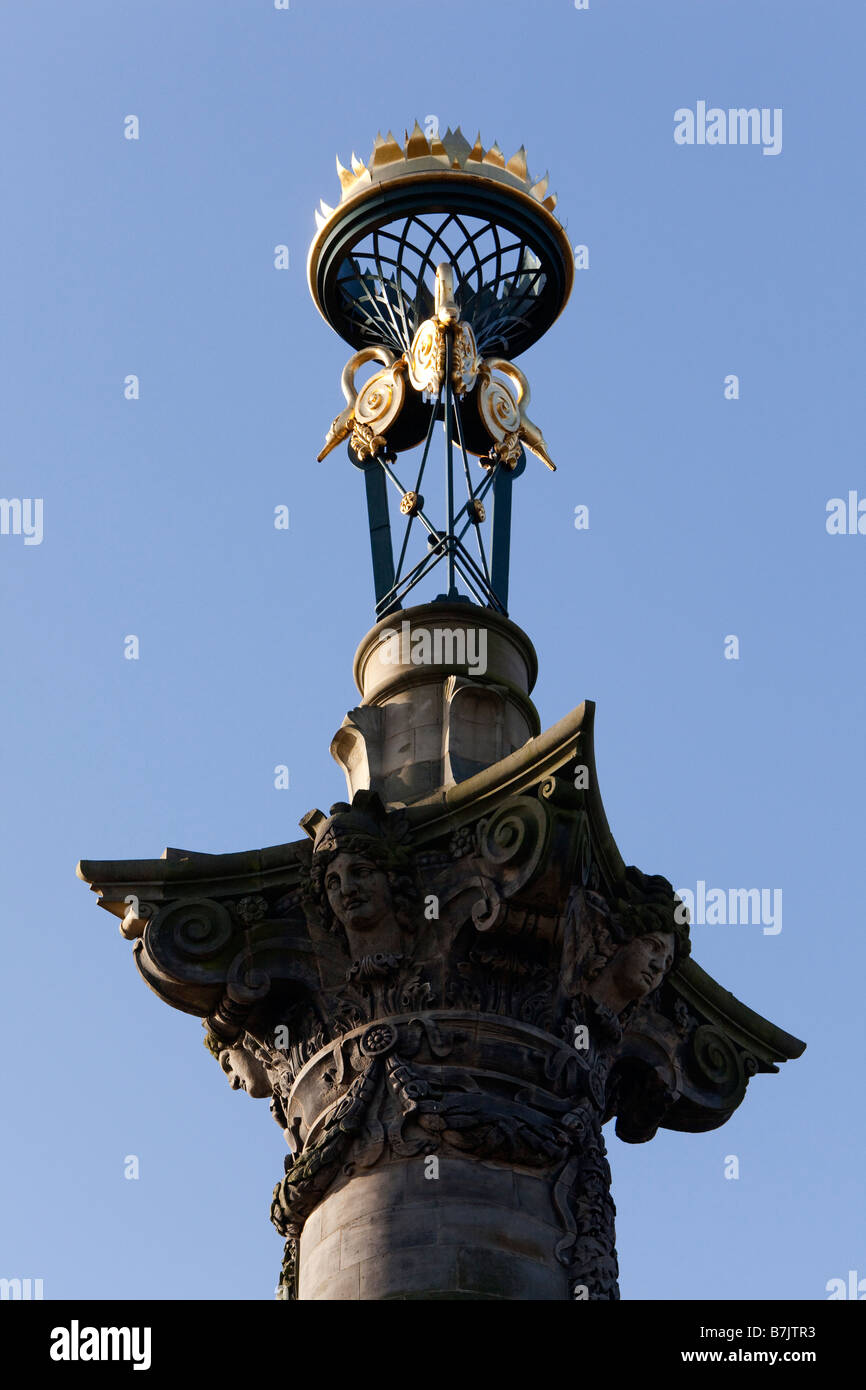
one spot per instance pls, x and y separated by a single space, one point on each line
447 1236
422 726
419 1272
444 1002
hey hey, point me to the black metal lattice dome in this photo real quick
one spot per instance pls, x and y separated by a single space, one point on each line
373 268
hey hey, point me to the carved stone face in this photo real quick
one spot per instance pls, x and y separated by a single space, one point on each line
244 1072
636 970
359 895
358 891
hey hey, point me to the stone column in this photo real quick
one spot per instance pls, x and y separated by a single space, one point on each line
445 694
461 1173
463 1230
447 987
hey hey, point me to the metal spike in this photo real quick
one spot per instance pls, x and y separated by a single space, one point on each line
385 151
517 164
457 147
416 143
539 189
358 166
345 176
495 156
476 154
326 211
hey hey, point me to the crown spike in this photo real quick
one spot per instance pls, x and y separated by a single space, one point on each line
385 151
517 165
457 147
416 143
451 150
495 156
476 154
345 176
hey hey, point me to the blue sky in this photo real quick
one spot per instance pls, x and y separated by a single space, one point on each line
707 518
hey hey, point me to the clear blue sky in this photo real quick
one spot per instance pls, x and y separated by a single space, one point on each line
707 518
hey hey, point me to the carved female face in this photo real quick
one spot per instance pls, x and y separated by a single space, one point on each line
643 964
244 1072
636 970
358 891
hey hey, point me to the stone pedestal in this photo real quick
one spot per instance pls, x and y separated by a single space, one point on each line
445 690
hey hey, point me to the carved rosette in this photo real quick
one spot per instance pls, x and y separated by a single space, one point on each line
486 982
477 1039
480 1036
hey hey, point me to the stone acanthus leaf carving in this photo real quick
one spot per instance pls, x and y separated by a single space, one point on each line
380 966
494 979
508 1025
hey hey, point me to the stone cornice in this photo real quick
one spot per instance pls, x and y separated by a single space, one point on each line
722 1039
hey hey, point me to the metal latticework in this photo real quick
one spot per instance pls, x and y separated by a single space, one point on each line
374 262
483 573
386 284
442 263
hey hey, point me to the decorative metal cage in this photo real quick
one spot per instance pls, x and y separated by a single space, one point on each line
427 210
